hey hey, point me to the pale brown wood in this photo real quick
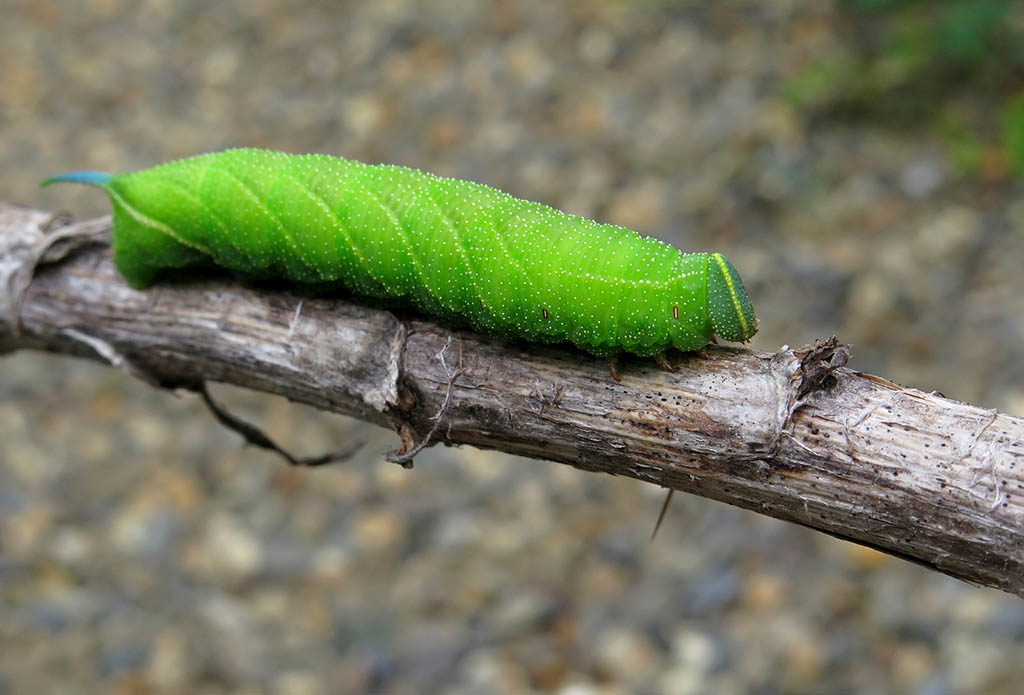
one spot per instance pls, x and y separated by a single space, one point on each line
792 434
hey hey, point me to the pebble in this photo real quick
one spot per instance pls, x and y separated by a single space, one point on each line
168 663
921 177
226 550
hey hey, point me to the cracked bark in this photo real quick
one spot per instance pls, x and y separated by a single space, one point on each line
793 435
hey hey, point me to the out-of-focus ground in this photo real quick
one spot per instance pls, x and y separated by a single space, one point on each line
143 550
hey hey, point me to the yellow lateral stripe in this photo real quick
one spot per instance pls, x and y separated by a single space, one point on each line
153 224
720 259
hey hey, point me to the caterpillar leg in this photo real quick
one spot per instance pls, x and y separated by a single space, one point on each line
663 362
613 368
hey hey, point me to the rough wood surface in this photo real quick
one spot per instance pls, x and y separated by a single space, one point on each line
792 434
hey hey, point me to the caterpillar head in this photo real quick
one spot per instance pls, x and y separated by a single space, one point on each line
729 309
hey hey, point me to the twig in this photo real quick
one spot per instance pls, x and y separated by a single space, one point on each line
405 459
256 437
744 427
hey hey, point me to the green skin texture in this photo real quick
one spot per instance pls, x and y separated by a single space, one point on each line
457 250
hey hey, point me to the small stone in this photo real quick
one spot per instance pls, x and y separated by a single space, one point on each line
627 654
457 529
527 62
805 658
21 532
921 178
521 611
72 545
681 680
330 564
227 550
363 115
297 683
596 46
764 592
912 664
578 688
378 529
168 660
693 650
948 233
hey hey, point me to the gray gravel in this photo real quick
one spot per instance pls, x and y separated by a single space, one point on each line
143 550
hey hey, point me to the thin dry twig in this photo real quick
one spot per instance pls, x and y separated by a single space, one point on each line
255 436
405 459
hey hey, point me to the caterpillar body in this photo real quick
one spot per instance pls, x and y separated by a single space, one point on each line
456 250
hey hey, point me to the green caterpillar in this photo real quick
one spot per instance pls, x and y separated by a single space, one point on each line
457 250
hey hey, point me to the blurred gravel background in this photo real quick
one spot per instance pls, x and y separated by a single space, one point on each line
142 550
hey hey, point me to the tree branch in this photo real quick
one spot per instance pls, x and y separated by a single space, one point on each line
792 434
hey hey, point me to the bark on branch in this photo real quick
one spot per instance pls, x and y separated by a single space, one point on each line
792 434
